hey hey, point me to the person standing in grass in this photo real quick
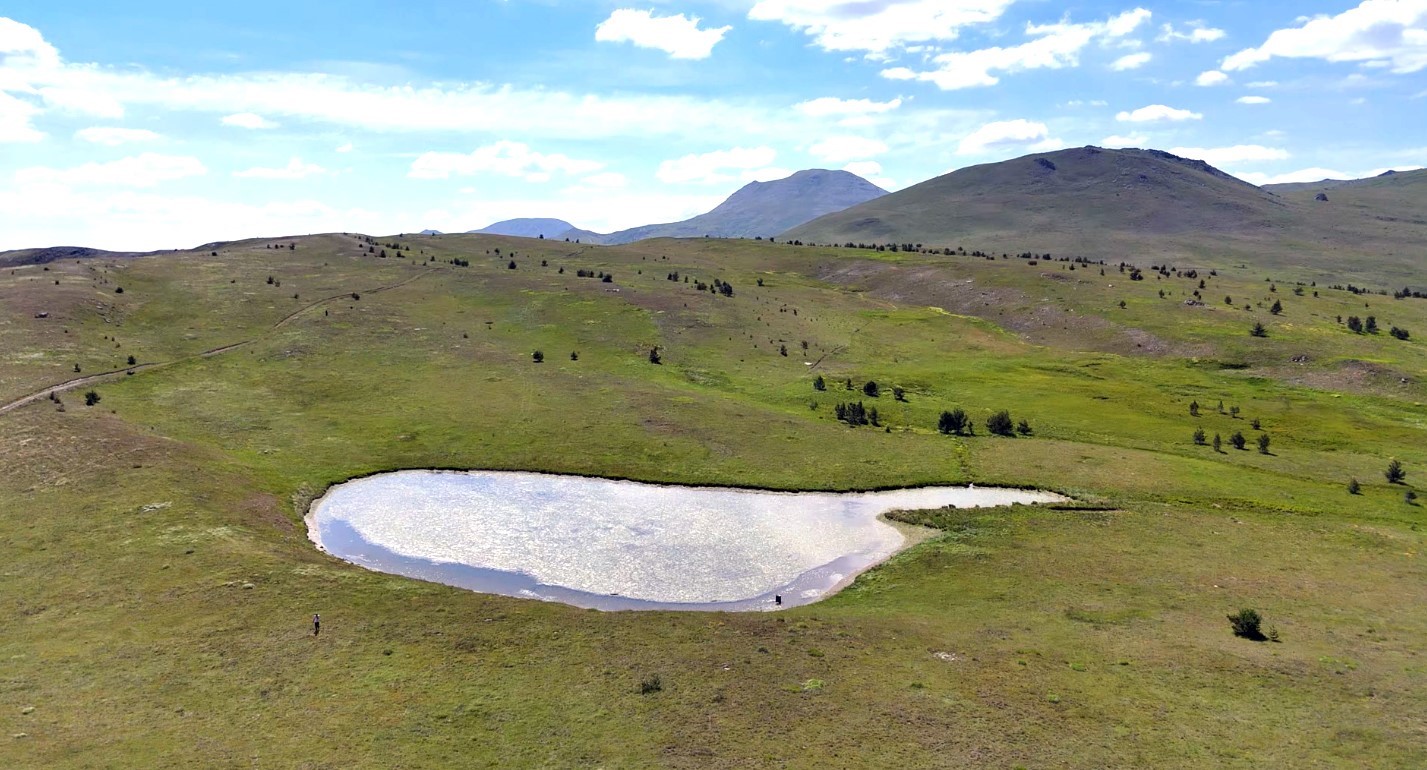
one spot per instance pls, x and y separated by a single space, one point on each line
316 624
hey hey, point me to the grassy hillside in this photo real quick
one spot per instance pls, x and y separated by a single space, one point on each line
1146 205
159 582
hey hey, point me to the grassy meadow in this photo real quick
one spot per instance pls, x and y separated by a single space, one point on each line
158 582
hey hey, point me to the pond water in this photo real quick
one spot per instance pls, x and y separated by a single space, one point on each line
617 545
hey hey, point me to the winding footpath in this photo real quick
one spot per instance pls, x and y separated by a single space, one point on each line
80 382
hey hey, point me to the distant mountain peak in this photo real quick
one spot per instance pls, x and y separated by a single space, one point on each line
765 209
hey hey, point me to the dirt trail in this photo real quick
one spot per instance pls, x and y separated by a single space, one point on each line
79 382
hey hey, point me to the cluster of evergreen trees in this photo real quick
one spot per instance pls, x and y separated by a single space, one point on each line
856 414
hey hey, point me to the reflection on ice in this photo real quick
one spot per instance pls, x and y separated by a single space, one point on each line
618 544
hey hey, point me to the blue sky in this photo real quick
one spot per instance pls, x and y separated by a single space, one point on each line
166 124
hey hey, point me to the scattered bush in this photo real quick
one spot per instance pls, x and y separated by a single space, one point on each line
819 383
1238 440
954 421
538 357
871 389
1247 624
1399 333
1023 428
1354 488
91 398
1199 439
1263 443
650 685
1000 424
654 357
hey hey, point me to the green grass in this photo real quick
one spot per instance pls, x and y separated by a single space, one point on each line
1022 636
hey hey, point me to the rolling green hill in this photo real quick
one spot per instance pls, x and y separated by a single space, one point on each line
1141 205
158 582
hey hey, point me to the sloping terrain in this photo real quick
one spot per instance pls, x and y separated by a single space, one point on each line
1147 205
158 583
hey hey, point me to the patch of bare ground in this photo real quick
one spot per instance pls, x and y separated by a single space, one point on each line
1345 376
1036 322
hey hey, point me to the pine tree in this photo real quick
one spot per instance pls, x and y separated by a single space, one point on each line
1263 443
1238 440
1395 473
819 383
1199 437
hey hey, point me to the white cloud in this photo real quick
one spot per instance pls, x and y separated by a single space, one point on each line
1253 100
1009 135
26 43
710 167
1197 33
1264 84
840 149
263 98
877 27
295 169
345 148
507 158
248 120
1313 175
1053 46
1231 156
679 35
609 180
1117 141
829 106
1131 61
1211 78
145 170
113 137
1155 113
1392 32
864 168
141 221
16 120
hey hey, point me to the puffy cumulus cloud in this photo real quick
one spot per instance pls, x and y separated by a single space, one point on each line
1211 78
1053 46
1232 156
1196 32
840 149
678 35
1117 141
1383 33
16 120
506 158
1253 100
110 136
1131 61
24 46
716 167
295 169
145 170
879 26
248 120
1156 113
1009 135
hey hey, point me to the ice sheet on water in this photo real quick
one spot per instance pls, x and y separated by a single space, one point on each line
649 542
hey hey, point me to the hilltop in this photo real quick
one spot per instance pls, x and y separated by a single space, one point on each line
1135 204
528 228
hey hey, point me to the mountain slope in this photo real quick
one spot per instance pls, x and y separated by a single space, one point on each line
528 228
1086 191
764 209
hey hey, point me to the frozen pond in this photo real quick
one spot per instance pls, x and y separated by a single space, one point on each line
620 544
